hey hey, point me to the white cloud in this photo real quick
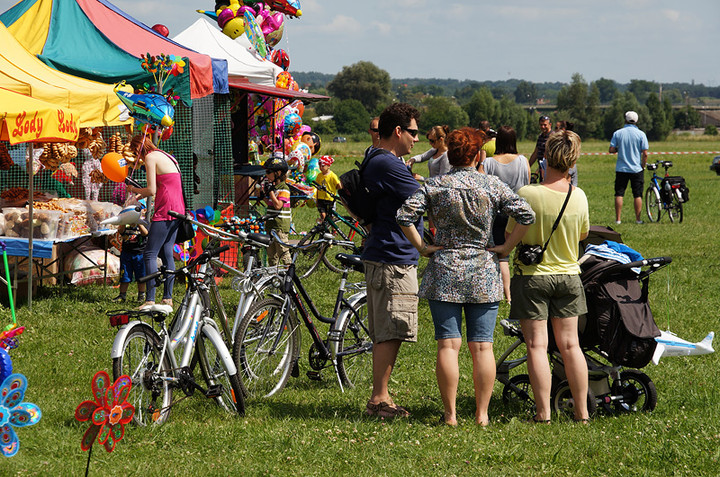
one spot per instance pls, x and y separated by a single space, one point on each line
342 24
672 15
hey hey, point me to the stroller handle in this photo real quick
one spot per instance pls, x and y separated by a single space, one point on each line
654 264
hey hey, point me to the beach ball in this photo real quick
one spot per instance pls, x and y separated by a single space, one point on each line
114 166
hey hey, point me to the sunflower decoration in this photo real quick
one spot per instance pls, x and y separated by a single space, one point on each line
108 412
14 413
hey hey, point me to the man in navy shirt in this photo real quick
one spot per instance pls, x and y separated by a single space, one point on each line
390 259
631 145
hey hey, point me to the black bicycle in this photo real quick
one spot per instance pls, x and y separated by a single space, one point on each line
267 345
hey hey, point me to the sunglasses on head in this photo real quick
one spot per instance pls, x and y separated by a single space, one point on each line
544 118
374 130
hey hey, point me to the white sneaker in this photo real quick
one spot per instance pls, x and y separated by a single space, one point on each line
618 222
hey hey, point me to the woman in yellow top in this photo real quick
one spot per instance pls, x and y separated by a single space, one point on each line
330 180
552 288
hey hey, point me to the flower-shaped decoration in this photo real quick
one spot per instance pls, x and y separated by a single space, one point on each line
14 413
109 412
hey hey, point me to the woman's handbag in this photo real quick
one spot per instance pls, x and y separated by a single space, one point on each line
185 230
533 254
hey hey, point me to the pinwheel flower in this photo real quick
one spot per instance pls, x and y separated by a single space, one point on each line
14 413
108 413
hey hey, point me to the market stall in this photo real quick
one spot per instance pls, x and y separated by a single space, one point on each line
27 120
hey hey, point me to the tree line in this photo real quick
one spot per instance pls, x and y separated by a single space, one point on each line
360 91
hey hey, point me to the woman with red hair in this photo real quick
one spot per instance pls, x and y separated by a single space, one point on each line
462 275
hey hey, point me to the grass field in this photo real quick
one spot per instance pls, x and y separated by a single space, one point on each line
311 428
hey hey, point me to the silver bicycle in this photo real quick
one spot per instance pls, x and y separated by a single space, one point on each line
161 359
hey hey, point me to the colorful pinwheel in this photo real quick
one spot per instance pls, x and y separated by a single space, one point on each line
108 413
14 413
161 67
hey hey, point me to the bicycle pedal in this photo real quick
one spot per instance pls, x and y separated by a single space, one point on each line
214 391
295 370
314 375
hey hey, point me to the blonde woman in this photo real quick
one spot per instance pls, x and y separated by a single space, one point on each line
436 156
551 290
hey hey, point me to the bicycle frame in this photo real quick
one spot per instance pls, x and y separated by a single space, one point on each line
293 290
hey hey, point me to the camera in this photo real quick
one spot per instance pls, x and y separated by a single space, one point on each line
530 254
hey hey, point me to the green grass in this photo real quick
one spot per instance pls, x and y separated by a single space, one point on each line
311 428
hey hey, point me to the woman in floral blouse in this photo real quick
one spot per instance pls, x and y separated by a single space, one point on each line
462 274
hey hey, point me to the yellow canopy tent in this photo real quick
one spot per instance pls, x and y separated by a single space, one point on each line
27 120
20 71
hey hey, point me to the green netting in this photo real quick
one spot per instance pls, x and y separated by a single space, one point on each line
203 129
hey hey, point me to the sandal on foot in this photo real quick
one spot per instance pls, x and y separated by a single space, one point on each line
584 421
535 420
386 410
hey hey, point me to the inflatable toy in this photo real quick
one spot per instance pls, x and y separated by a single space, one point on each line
292 124
114 166
161 29
288 7
313 169
254 34
280 58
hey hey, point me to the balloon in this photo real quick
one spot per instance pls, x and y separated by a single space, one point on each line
296 160
283 80
114 166
293 122
254 34
280 58
161 29
313 169
274 38
288 7
312 140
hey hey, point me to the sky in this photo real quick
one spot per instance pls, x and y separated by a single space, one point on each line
539 41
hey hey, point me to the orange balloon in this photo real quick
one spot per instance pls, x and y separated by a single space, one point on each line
114 166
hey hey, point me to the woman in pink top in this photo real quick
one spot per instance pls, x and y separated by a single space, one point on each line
164 182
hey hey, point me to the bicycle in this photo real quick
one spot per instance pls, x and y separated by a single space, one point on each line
148 355
663 194
339 233
267 346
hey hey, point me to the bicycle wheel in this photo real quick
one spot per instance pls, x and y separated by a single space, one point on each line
653 204
354 360
516 394
151 392
562 401
215 372
637 392
675 209
265 350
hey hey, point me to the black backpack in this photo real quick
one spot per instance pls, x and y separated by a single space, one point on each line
355 195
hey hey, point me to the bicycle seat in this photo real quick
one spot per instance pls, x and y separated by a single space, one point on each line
651 166
667 164
157 308
351 261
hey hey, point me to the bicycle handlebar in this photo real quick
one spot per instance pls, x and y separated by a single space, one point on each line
202 258
323 188
325 238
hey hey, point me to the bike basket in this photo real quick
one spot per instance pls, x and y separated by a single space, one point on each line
677 182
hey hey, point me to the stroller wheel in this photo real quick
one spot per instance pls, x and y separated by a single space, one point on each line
516 394
563 402
636 392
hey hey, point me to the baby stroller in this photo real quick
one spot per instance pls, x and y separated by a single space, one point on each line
617 336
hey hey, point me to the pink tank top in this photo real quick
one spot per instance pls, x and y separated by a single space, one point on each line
169 195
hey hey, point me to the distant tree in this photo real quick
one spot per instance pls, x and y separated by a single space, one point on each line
614 117
350 116
509 113
442 110
323 128
642 89
711 130
482 106
409 95
364 82
661 124
687 118
525 93
326 108
606 88
579 104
